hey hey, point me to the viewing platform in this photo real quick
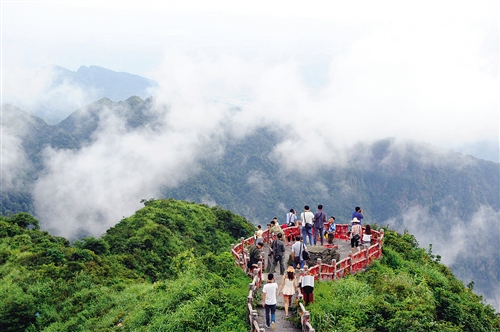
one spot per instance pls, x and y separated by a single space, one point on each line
327 262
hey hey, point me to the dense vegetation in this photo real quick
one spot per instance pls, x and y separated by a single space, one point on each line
385 177
407 290
166 268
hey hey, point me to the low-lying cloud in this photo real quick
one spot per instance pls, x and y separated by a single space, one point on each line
318 129
458 241
87 191
41 92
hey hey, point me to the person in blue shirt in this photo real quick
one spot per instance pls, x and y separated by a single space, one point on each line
331 230
358 213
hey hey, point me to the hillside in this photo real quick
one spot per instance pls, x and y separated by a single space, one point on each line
168 268
408 185
407 290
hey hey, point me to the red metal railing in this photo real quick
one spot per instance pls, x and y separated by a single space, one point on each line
321 271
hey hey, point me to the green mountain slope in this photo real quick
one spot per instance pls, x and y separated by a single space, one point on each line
409 185
407 290
168 267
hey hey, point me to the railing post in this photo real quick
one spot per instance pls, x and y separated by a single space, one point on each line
257 278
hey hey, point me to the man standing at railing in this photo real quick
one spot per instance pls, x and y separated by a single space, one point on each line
319 224
358 214
307 218
331 229
275 229
269 300
355 234
291 218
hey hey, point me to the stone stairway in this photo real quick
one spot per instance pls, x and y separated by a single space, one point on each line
282 324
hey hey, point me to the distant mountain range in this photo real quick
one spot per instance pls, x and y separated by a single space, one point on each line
87 85
105 83
443 197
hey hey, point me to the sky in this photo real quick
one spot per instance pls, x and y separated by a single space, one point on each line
420 70
325 76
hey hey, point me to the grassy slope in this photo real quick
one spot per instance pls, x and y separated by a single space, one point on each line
166 268
156 272
407 290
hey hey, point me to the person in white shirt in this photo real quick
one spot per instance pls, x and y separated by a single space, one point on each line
307 225
297 248
269 300
291 218
367 236
307 286
356 231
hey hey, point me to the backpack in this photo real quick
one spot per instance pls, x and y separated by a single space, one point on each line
249 262
277 257
305 254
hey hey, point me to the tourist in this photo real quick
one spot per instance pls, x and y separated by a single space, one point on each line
331 230
355 235
289 287
307 218
367 236
358 214
278 251
275 228
319 224
307 286
269 300
297 248
259 234
254 253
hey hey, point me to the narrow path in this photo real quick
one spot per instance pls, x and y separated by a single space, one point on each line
282 325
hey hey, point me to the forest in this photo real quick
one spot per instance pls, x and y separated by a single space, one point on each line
168 267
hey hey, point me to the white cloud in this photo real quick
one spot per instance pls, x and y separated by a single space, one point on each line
36 92
14 163
456 239
259 181
92 188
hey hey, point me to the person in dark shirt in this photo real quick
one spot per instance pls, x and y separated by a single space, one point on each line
254 253
358 214
278 249
319 224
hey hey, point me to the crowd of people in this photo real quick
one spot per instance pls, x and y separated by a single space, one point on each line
314 228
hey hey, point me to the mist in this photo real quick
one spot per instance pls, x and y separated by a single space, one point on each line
96 186
457 240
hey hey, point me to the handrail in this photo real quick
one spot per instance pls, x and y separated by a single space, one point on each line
352 264
252 289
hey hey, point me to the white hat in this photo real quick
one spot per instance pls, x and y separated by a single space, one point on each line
355 219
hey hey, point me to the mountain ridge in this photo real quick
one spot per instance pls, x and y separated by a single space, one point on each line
405 183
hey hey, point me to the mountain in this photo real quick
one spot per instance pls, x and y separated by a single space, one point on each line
105 83
447 199
67 90
168 267
154 262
